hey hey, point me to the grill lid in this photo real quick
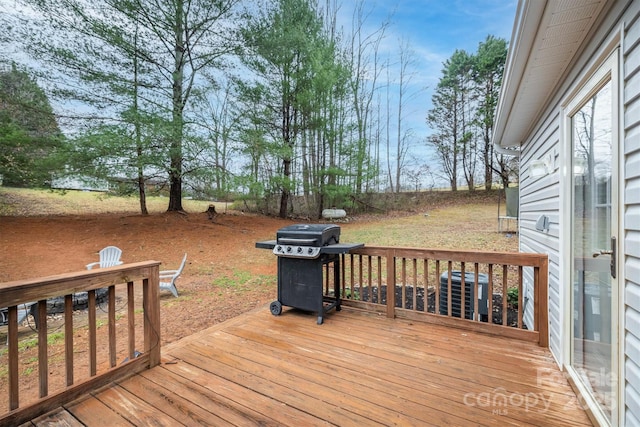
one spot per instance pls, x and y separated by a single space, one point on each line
309 235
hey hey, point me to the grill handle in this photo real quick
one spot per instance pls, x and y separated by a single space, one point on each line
297 242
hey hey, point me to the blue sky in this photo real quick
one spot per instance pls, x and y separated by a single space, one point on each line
434 29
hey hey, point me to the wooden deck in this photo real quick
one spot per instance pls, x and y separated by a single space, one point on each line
357 368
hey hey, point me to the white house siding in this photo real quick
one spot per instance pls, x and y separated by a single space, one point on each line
631 150
542 197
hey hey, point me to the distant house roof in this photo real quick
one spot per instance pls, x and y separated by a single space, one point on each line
79 182
546 36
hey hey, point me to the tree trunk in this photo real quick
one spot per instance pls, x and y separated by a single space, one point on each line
488 168
284 198
143 195
139 147
175 174
175 194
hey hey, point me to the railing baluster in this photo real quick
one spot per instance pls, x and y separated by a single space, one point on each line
352 274
449 296
360 278
426 284
369 273
415 284
131 320
463 293
93 339
438 296
476 291
490 291
505 294
520 292
379 297
343 260
349 282
112 325
538 302
68 338
404 283
43 358
14 395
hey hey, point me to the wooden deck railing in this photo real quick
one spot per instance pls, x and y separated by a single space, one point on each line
125 277
425 288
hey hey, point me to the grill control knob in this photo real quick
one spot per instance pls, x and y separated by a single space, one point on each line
288 248
310 250
279 248
299 250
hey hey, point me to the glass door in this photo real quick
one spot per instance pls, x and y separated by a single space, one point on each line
594 245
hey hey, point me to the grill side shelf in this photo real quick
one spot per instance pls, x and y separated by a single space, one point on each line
266 244
340 248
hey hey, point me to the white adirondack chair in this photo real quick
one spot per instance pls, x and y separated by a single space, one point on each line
172 275
109 257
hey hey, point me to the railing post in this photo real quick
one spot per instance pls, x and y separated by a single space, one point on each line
541 279
151 304
391 283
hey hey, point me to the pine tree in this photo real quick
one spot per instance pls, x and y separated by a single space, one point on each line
30 140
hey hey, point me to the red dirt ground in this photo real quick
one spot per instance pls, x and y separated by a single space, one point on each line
225 274
217 250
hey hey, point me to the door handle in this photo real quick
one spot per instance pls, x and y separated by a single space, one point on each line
602 252
612 252
613 263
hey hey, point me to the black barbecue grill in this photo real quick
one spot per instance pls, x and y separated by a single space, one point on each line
303 250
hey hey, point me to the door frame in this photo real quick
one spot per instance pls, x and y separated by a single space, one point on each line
604 67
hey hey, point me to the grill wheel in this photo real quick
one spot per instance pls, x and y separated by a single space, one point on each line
276 308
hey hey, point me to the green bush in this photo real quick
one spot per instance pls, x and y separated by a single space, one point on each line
512 297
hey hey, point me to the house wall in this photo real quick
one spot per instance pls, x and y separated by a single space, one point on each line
83 183
546 196
631 191
541 196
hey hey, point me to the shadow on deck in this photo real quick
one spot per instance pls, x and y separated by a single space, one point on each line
357 368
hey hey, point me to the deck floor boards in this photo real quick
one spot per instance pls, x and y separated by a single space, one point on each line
356 369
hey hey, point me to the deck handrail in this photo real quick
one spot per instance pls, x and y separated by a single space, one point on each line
371 267
15 293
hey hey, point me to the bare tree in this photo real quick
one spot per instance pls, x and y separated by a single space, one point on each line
404 135
364 62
